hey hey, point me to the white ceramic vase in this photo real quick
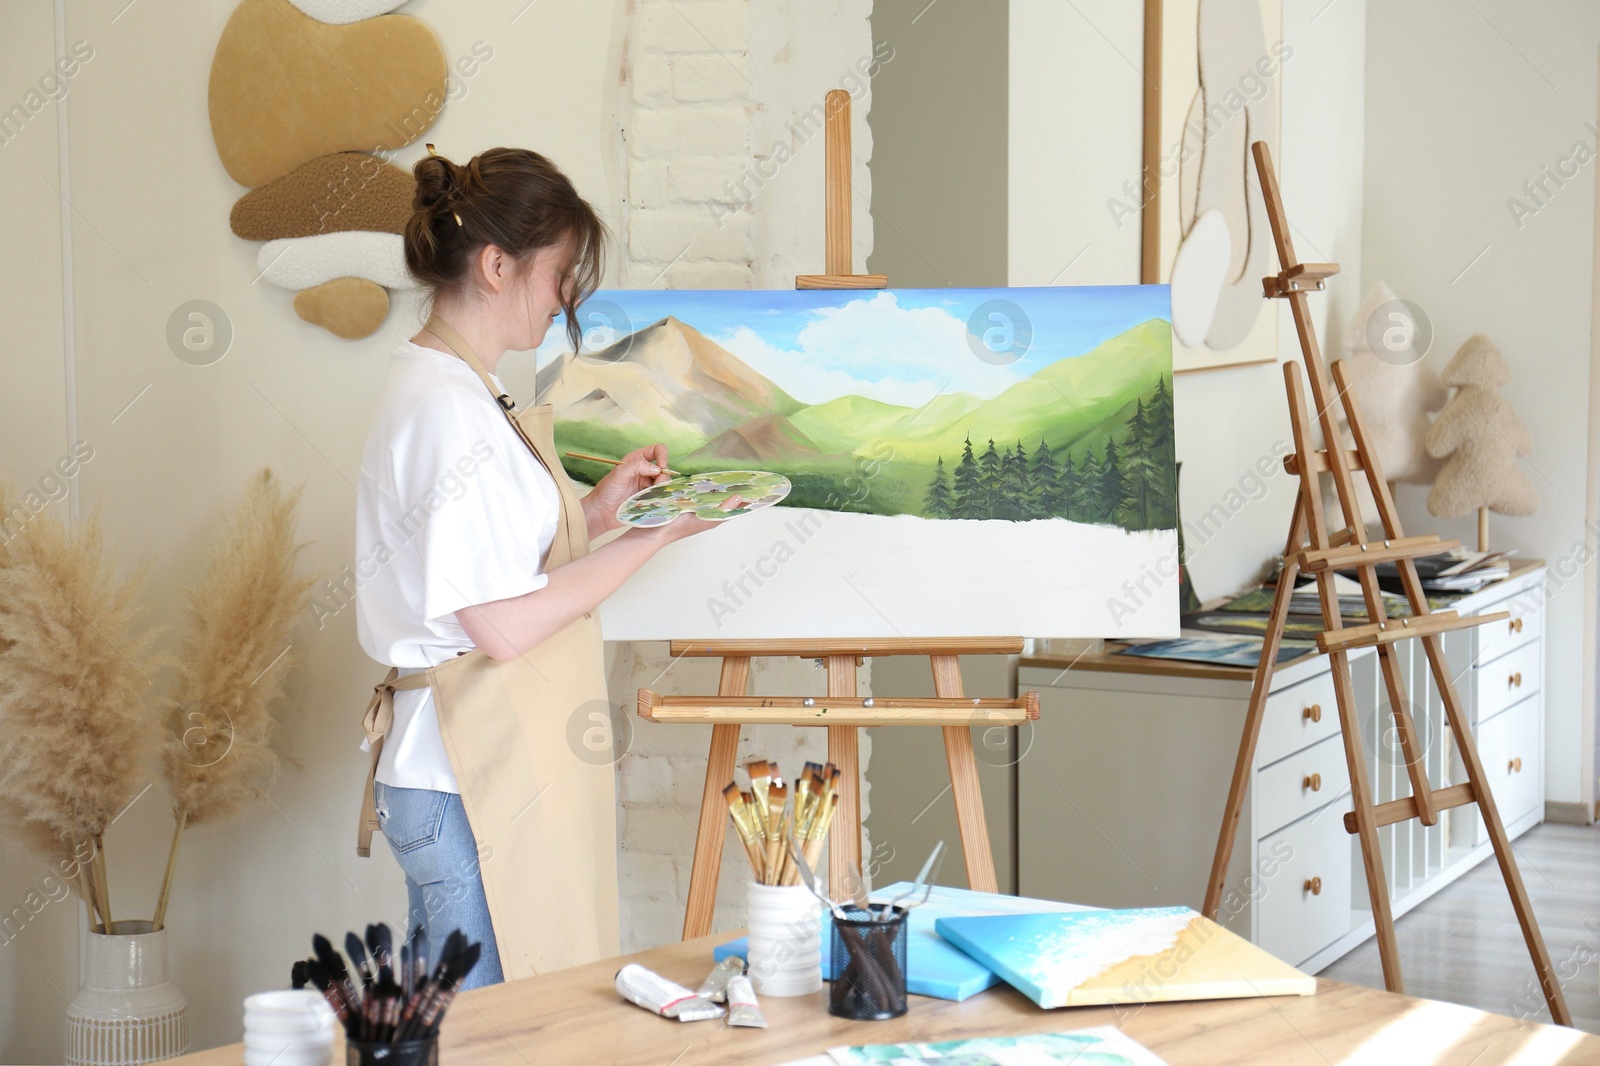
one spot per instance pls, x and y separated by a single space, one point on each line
126 1010
785 930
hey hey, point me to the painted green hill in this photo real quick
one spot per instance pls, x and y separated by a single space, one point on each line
851 452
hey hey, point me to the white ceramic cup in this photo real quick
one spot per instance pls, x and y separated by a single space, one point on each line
288 1028
785 933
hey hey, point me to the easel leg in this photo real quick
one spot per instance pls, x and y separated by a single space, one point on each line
964 784
708 837
1496 829
1366 826
1257 709
844 841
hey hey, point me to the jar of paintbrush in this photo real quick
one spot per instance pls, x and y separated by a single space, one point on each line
783 831
393 1004
869 957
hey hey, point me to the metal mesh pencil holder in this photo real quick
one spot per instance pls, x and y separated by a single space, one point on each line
869 963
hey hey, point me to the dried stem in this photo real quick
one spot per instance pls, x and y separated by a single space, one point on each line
160 920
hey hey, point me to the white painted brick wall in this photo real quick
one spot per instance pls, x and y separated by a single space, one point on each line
708 87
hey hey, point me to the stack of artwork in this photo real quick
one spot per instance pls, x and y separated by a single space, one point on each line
963 462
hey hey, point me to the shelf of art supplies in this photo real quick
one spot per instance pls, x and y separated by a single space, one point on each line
1121 794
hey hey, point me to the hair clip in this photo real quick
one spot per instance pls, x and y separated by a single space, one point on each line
431 152
458 217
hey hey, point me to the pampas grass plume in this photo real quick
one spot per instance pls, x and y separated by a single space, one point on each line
241 618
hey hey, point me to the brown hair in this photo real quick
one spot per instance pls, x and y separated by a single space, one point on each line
512 198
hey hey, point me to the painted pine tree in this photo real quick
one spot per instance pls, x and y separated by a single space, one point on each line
1015 489
989 478
968 486
940 502
1044 493
1084 503
1113 484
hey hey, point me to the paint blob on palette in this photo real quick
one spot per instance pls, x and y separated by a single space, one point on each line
703 496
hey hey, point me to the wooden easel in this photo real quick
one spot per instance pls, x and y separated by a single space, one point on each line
1313 549
841 711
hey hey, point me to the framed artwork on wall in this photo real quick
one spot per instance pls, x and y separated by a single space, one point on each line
1212 86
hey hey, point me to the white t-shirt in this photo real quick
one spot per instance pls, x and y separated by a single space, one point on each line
452 510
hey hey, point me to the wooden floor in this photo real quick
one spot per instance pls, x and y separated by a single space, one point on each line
1464 945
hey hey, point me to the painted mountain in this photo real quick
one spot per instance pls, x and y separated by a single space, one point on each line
909 411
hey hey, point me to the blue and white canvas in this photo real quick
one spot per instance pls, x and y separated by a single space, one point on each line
935 967
964 462
1152 954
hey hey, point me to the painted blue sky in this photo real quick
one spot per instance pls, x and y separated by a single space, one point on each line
897 345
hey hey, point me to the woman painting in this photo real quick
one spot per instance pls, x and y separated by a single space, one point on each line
479 586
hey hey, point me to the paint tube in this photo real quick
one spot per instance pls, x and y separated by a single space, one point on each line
742 1006
656 994
715 986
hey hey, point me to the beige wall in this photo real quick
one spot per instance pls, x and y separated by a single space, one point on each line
939 108
149 232
33 434
1465 105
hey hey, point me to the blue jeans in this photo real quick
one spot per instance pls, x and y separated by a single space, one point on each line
430 837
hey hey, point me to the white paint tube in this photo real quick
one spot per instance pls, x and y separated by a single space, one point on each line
715 986
742 1006
656 994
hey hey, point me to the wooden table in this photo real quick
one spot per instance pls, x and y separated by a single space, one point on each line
577 1017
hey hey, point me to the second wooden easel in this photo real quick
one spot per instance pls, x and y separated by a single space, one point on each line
841 711
1313 549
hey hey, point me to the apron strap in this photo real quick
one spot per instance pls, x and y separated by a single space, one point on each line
377 722
508 407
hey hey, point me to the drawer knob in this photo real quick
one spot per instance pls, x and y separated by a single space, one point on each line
1312 713
1314 886
1515 680
1514 766
1515 624
1313 782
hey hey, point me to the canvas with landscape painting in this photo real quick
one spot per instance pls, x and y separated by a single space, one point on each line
963 462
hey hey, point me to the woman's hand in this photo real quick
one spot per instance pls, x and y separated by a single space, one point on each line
639 469
688 524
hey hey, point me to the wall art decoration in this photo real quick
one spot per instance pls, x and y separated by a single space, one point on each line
308 102
962 461
1211 88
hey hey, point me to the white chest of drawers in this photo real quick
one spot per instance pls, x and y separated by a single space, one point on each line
1121 786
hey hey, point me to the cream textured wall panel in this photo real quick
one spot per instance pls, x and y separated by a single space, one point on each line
305 262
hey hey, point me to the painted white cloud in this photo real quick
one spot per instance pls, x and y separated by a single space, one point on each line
874 347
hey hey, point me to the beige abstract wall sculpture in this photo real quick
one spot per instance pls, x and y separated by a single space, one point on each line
307 100
330 194
1213 71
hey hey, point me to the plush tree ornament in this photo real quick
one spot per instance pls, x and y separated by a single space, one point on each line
1480 438
1395 397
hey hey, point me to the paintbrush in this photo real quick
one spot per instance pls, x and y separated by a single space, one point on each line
297 975
777 797
451 982
455 945
742 825
615 462
333 963
317 974
358 955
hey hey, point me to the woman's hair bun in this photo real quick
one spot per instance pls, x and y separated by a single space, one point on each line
436 177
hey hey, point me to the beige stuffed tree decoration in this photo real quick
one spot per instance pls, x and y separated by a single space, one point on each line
1395 397
1480 438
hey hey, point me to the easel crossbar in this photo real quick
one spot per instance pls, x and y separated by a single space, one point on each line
1405 809
828 710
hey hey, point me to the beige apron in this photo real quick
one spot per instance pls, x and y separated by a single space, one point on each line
528 740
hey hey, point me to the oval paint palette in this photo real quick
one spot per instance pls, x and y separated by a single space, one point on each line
702 495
